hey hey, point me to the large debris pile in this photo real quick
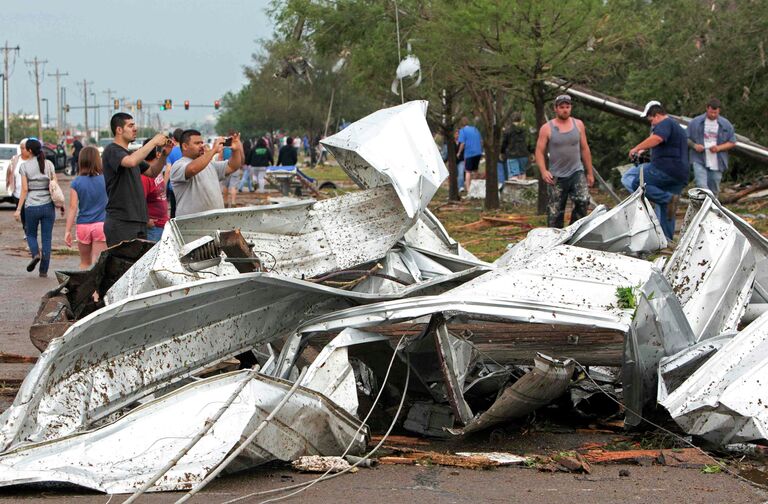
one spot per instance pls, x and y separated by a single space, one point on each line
351 304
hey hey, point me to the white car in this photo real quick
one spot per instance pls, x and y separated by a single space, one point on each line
7 151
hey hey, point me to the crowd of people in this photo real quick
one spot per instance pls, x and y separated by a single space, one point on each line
123 194
564 159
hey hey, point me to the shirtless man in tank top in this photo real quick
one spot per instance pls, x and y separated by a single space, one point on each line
563 157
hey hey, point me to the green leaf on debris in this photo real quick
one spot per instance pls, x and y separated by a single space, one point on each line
626 297
712 469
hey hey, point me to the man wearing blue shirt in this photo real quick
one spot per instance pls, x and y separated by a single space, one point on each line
710 137
667 173
471 145
174 156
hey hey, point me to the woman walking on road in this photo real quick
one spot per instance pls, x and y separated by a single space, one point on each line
36 176
88 201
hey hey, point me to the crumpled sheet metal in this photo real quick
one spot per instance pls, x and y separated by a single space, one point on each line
299 240
568 285
331 373
548 380
134 347
121 456
373 153
712 272
659 329
726 399
631 227
758 242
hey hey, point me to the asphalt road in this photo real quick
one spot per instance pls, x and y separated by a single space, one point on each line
422 484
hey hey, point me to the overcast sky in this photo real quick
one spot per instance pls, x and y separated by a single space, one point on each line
179 49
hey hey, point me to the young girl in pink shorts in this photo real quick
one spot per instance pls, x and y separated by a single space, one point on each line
88 201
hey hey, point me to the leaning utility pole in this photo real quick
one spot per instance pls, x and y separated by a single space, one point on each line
6 108
35 63
58 76
85 100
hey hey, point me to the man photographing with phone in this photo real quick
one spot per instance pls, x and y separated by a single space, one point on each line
127 208
196 176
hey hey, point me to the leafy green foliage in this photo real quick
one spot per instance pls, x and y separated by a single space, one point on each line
626 296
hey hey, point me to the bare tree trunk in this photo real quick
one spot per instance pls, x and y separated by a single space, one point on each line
538 95
447 129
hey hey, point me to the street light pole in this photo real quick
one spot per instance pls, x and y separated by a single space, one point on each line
47 117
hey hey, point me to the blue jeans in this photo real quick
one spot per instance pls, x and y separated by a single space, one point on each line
460 174
706 178
154 233
517 166
659 189
40 216
501 172
246 179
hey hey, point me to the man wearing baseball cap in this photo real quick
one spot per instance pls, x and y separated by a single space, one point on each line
565 163
710 137
667 173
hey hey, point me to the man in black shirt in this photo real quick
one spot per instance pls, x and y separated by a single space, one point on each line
77 146
127 205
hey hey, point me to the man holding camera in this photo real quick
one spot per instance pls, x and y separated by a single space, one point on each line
127 207
196 176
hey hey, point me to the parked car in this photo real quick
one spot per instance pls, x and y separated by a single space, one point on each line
58 156
7 151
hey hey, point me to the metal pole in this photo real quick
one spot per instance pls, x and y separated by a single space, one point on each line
36 65
6 106
59 103
47 115
399 56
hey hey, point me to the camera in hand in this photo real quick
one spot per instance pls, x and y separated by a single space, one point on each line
227 141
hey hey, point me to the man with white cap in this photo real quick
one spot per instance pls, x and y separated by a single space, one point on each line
667 173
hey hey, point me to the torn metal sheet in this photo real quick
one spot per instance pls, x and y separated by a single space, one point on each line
631 227
134 347
365 151
547 381
675 369
331 373
121 456
726 399
758 242
712 271
299 240
565 285
659 329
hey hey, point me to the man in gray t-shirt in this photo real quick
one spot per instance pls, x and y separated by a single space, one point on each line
195 177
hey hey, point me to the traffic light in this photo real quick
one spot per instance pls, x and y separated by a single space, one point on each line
167 104
216 104
66 108
186 104
138 104
117 104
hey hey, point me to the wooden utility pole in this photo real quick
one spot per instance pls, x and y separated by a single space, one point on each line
59 105
35 64
6 108
85 100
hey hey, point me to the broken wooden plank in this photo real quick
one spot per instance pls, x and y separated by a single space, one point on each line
233 244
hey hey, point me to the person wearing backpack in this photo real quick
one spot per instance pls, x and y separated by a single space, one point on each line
37 178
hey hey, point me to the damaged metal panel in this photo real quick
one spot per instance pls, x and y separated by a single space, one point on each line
455 356
132 348
659 329
726 399
758 242
711 272
300 240
547 381
331 373
365 150
631 227
121 456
